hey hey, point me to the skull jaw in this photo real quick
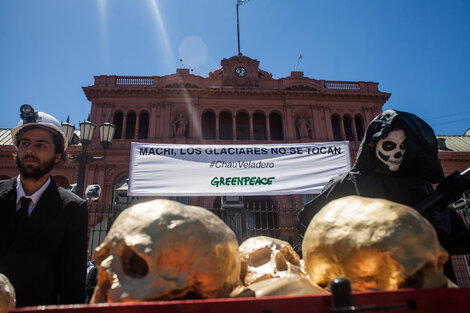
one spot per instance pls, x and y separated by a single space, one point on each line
392 164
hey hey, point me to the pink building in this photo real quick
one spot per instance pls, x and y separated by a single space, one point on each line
236 104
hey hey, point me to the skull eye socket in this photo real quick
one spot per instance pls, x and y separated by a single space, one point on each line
281 263
290 257
132 264
388 145
260 257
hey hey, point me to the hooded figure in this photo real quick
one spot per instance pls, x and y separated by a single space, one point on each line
398 161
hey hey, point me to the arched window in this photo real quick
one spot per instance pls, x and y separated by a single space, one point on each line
259 126
264 215
348 128
249 215
275 125
130 125
117 121
359 127
225 126
243 126
208 125
335 124
143 125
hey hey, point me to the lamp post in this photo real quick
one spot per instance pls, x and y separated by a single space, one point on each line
87 129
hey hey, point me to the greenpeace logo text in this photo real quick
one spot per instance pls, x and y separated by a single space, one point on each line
241 181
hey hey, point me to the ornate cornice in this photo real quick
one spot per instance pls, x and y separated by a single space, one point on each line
98 91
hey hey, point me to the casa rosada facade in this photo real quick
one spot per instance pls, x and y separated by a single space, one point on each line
236 104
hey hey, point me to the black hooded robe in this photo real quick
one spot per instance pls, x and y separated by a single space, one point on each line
409 185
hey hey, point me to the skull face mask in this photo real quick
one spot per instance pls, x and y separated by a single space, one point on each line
391 149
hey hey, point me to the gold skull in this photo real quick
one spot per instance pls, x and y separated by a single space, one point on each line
375 243
7 295
163 249
264 257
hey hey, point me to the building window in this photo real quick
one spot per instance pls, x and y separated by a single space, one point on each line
263 215
348 128
143 125
243 126
117 121
259 126
208 125
130 125
275 125
359 127
335 124
225 126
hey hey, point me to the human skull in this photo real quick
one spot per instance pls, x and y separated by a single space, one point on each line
375 243
391 149
7 295
163 249
264 257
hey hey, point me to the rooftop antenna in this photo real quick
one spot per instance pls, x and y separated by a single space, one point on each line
239 2
298 60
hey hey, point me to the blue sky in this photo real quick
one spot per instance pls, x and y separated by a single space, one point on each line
415 49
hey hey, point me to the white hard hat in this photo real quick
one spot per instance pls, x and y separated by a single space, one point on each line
32 119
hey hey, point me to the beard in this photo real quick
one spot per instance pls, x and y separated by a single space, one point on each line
34 171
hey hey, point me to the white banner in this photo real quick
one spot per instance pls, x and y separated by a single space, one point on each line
203 170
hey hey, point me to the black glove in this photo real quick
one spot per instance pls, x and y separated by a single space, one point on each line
452 188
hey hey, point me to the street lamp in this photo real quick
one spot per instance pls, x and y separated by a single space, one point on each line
87 129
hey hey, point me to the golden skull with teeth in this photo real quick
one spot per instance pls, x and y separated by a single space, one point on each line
265 257
163 249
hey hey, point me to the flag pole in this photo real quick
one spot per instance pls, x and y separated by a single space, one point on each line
298 60
238 30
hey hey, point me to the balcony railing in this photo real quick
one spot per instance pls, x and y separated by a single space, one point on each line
134 81
342 86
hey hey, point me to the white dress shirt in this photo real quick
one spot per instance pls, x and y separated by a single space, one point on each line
34 197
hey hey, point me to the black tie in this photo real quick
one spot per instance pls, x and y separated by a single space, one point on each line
22 213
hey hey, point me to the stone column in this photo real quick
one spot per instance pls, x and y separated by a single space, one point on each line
250 121
153 121
268 128
137 124
217 137
341 126
124 125
234 126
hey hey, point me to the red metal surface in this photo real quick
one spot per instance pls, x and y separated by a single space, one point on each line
415 301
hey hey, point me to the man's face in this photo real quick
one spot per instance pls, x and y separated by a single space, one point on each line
36 153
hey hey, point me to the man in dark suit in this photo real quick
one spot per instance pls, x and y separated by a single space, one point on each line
43 239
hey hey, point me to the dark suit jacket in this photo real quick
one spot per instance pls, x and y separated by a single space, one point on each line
45 259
